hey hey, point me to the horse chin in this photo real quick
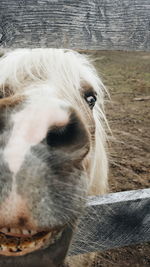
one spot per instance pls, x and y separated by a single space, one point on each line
45 248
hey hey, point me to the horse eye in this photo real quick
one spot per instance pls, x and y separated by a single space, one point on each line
90 99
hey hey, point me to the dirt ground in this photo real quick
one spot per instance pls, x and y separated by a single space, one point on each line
127 76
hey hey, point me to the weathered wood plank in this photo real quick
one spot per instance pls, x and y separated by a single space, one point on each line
114 220
77 24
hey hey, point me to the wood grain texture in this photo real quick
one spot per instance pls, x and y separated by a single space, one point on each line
77 24
114 220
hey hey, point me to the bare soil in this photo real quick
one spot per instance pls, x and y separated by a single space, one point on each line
127 76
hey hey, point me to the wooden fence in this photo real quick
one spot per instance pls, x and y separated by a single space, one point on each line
113 220
77 24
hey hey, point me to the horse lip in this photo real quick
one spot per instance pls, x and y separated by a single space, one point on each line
58 251
53 255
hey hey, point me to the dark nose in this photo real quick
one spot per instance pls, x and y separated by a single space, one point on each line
72 136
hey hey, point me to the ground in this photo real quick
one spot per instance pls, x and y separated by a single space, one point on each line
127 76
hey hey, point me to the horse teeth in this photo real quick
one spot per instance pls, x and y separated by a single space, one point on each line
25 232
4 230
17 231
13 230
14 249
3 247
33 232
26 244
31 245
58 235
49 235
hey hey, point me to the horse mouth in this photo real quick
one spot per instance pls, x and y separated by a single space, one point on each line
17 242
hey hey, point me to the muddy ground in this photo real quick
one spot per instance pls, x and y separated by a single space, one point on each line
127 76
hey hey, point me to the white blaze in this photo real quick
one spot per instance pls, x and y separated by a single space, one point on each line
30 127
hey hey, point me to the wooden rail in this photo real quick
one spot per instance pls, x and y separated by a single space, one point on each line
77 24
114 220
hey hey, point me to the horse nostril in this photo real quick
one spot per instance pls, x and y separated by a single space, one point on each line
73 133
61 136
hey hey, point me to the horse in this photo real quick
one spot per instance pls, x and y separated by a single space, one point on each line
52 151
